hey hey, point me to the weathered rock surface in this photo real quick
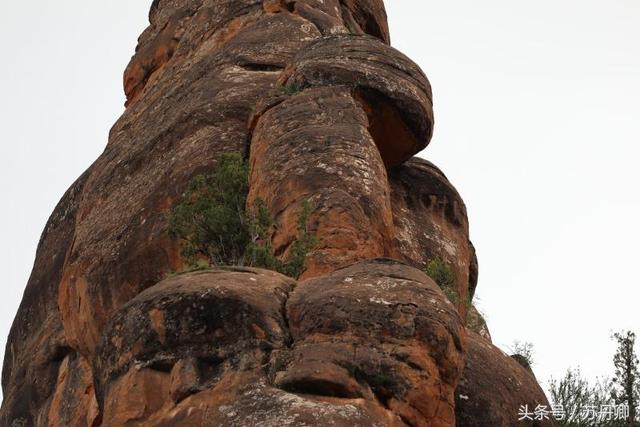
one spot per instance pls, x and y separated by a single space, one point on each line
186 335
493 387
179 343
377 330
391 89
325 111
36 347
431 222
315 147
475 322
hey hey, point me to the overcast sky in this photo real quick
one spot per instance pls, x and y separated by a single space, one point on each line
537 125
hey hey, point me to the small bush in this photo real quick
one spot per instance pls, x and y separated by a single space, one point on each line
304 243
215 229
260 253
210 221
200 265
290 88
522 352
444 277
440 272
280 360
475 319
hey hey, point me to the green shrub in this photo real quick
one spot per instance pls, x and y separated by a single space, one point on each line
199 265
260 253
210 220
523 353
290 88
441 273
444 277
294 265
452 295
215 229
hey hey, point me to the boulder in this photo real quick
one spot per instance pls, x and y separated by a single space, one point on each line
494 387
392 89
380 331
431 223
187 335
313 147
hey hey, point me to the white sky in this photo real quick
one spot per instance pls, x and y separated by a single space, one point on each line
538 126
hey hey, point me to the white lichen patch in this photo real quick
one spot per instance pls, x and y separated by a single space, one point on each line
269 407
379 301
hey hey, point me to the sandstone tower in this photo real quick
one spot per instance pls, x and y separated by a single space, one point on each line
323 109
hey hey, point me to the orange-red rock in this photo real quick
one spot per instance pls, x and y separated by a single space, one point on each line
381 331
431 222
325 111
314 147
391 89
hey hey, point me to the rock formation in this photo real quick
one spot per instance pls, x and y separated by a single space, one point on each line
325 111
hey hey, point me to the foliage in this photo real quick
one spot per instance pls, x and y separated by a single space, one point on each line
440 272
626 380
381 381
523 350
302 245
260 252
452 295
280 359
210 220
215 228
199 265
476 319
574 394
290 88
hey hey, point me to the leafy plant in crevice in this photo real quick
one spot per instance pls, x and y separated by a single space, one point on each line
441 273
215 228
280 359
198 265
210 220
260 253
476 318
304 243
522 352
290 88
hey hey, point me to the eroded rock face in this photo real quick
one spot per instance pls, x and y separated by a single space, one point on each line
431 222
377 330
494 386
37 347
297 352
325 111
314 147
187 335
391 89
227 347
